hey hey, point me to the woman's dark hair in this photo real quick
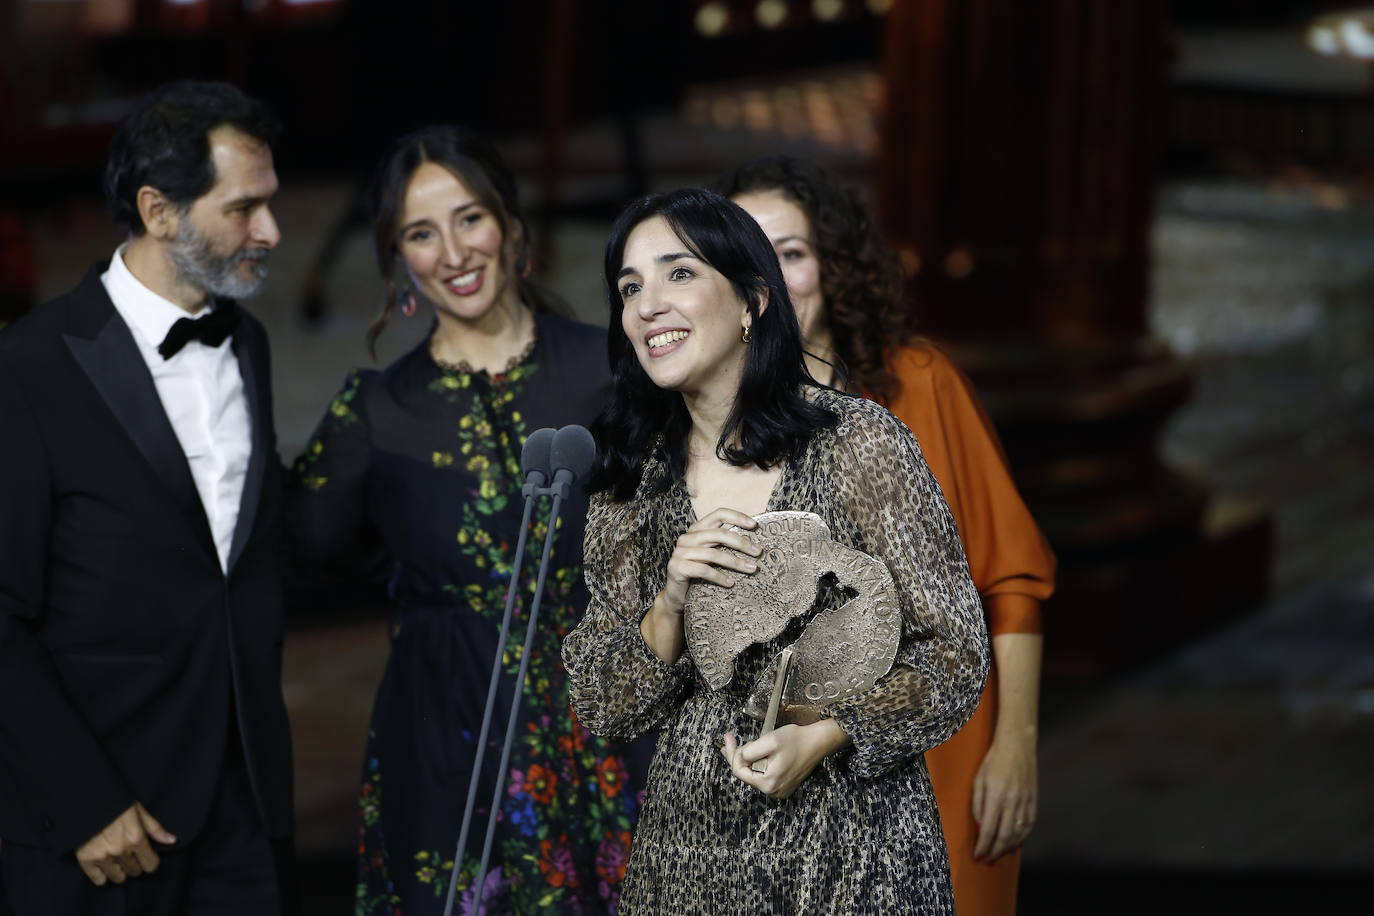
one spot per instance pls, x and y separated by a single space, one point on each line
164 142
861 276
772 419
474 161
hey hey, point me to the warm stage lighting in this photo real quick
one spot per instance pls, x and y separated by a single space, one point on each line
771 13
827 10
711 19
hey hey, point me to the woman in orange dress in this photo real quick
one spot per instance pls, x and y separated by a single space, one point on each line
846 286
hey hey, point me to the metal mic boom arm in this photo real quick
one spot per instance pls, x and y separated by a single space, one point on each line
570 452
534 462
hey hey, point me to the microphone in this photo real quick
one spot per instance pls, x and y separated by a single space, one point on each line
534 464
570 453
534 459
571 456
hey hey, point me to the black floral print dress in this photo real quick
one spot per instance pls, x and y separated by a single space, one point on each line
861 834
426 459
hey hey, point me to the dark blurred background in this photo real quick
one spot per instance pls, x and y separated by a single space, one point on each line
1146 228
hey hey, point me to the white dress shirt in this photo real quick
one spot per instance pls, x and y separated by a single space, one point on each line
201 391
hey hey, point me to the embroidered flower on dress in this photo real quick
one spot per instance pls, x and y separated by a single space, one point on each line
556 862
612 856
610 775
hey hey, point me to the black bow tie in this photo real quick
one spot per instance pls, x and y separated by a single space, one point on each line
212 330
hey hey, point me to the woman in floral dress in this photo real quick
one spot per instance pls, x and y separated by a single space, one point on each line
424 456
715 420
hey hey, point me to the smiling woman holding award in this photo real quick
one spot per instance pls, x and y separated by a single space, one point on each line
777 589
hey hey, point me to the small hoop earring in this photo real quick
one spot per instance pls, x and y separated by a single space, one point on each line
744 334
408 307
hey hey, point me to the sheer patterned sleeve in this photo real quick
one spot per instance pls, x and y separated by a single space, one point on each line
934 685
327 499
619 688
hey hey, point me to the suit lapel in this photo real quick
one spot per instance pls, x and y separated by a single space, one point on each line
251 359
105 350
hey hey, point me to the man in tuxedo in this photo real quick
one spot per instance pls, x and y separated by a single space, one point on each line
145 759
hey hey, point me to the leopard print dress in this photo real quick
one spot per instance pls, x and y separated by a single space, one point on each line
861 834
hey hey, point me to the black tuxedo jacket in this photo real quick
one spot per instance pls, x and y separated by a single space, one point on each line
125 650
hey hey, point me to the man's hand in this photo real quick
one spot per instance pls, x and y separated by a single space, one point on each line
122 849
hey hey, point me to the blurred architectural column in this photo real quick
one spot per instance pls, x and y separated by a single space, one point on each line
1017 175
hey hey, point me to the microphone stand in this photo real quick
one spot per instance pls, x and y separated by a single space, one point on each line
534 453
561 482
570 452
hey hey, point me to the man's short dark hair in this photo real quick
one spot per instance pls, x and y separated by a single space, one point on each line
165 143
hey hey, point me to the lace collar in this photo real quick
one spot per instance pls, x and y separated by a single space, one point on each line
465 368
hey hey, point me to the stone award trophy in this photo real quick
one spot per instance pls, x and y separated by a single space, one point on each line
843 650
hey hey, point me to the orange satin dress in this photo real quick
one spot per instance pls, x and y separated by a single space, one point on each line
1011 566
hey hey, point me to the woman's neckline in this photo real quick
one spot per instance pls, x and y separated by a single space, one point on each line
767 506
463 367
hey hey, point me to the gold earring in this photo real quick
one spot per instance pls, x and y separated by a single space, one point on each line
744 334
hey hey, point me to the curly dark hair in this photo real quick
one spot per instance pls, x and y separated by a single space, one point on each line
861 276
164 142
